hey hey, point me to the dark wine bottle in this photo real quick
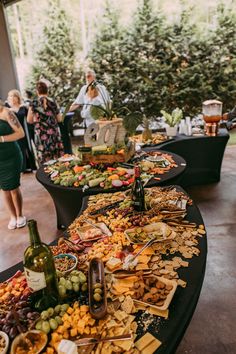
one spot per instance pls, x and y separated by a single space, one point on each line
138 194
40 271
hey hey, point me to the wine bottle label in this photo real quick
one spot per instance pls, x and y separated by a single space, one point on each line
35 280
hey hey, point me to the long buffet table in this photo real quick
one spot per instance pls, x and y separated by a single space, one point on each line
203 155
68 200
181 309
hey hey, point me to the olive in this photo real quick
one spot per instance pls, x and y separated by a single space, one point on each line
97 285
97 297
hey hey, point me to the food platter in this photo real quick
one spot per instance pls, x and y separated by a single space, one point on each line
158 231
161 284
30 342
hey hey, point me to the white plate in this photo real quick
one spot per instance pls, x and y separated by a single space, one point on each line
66 159
50 162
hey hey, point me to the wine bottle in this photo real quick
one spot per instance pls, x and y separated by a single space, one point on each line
40 271
138 194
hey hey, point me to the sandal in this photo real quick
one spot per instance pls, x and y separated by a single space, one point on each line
12 224
21 222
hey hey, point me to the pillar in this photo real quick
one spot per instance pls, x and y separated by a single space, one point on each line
8 76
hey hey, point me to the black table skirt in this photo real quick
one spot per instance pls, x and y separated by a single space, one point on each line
182 307
68 200
203 155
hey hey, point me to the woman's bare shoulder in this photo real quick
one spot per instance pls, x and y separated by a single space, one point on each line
5 113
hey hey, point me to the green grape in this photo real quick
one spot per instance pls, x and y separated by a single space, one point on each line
68 285
44 315
76 287
84 287
62 313
53 324
50 311
74 279
57 309
45 327
74 272
64 307
62 281
98 290
62 290
82 277
38 325
59 320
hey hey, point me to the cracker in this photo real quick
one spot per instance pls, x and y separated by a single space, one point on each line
182 283
156 312
127 305
152 347
144 341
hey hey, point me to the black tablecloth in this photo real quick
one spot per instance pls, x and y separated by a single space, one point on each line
203 155
68 200
182 307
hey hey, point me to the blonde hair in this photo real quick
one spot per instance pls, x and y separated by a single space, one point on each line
17 94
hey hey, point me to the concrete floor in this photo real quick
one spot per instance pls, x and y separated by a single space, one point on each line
213 326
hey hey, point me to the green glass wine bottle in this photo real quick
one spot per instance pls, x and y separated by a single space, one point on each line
40 271
138 193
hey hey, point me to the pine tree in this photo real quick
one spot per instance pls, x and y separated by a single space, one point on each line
106 51
55 59
222 61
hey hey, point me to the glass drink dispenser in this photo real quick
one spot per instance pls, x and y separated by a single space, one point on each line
212 114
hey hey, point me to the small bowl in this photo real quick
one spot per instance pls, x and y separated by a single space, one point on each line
5 336
62 257
18 339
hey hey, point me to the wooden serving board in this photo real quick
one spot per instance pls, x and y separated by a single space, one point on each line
87 157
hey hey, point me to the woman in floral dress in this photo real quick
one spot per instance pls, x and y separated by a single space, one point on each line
45 116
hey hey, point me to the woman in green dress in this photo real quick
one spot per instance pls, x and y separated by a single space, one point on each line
10 165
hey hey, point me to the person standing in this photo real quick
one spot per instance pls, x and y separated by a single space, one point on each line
14 102
93 93
10 166
44 114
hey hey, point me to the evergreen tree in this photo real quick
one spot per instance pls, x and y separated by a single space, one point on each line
143 54
106 53
55 59
222 59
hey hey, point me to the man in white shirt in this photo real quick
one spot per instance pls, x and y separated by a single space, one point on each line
85 99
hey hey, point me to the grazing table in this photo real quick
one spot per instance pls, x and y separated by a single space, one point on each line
203 155
68 200
170 331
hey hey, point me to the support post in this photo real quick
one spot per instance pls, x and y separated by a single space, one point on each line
8 77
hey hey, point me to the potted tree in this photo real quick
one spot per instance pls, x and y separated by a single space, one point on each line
172 120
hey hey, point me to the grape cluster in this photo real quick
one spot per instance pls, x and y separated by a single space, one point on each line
138 220
123 211
51 318
18 320
74 282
